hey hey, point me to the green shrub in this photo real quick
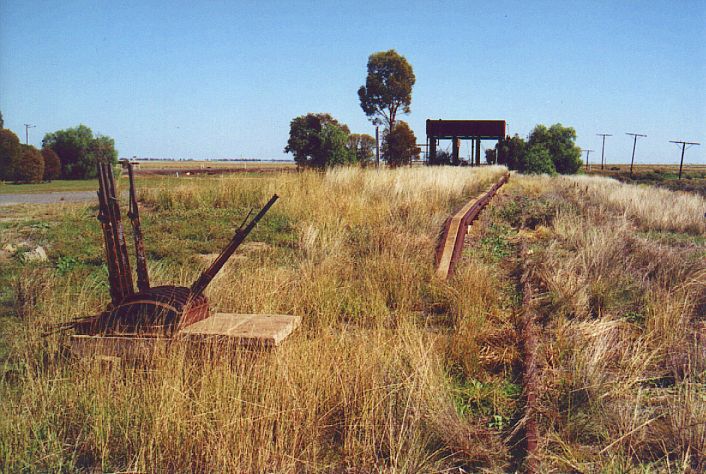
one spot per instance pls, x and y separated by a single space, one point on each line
537 160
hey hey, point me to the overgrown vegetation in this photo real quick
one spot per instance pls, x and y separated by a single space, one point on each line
393 370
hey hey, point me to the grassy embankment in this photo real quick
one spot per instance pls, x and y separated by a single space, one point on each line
392 370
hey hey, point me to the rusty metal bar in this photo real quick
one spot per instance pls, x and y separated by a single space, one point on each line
143 279
204 280
119 275
455 229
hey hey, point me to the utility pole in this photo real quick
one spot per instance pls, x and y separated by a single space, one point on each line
683 149
27 127
634 143
588 152
603 147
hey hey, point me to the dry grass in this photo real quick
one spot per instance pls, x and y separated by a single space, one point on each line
363 386
393 370
624 369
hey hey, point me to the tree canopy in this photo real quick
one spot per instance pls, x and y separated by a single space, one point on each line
28 165
318 140
52 164
559 141
388 88
79 150
400 146
363 146
9 149
527 157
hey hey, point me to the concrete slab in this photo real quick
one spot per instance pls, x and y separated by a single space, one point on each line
263 330
246 330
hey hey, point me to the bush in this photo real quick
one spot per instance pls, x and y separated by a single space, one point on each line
28 166
559 141
9 149
79 150
537 160
318 141
400 146
52 165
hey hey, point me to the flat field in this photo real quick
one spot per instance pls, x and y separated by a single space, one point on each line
666 176
393 370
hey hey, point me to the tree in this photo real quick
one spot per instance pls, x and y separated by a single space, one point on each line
537 160
491 156
78 151
9 149
388 88
2 121
559 141
511 152
363 146
52 164
28 165
318 140
400 146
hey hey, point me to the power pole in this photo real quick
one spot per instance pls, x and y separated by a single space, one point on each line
634 143
603 147
588 152
683 149
27 127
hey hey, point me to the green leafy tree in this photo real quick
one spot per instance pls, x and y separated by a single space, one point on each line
78 151
363 146
28 165
560 142
537 160
388 88
9 149
318 140
511 152
400 146
52 164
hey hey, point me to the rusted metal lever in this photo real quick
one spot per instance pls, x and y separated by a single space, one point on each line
205 279
143 279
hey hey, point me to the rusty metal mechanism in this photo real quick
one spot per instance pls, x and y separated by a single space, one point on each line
151 311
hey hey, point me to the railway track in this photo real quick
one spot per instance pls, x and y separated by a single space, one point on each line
455 229
448 254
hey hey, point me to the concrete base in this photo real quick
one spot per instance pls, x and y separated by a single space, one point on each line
233 330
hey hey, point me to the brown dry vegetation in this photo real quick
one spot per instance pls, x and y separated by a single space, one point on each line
393 370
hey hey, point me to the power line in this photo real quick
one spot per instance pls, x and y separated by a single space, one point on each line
603 147
683 149
634 143
27 127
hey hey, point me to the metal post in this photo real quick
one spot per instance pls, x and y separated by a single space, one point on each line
432 151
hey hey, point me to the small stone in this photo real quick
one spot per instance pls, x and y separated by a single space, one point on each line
36 255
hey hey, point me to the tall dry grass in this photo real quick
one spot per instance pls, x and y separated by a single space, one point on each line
624 361
649 207
362 386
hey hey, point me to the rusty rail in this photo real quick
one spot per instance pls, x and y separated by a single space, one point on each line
455 229
528 332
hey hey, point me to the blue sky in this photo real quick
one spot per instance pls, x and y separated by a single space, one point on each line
224 79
